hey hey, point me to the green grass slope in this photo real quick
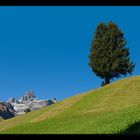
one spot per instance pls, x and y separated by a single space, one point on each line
112 109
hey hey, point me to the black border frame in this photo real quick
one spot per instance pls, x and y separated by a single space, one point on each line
70 3
67 3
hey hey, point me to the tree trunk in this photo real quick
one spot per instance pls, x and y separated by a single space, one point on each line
107 80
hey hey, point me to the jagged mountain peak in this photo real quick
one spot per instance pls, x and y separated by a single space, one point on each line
29 95
29 101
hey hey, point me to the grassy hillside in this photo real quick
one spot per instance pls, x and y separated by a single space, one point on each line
111 109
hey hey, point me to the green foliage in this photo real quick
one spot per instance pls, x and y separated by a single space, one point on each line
108 56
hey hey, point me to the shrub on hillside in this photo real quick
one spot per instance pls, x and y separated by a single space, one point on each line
27 110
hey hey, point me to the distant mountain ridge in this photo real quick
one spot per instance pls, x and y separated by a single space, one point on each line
14 107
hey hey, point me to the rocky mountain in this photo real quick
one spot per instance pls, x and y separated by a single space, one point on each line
28 96
6 110
14 107
29 101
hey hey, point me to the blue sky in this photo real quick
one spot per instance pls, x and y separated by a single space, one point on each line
45 49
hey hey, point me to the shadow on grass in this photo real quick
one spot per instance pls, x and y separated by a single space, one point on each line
132 129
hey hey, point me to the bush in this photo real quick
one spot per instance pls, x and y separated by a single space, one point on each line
27 110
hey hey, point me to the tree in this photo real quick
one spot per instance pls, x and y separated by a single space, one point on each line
108 56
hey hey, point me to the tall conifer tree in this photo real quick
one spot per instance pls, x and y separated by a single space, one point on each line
109 57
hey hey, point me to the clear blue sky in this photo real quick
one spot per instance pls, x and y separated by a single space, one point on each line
45 49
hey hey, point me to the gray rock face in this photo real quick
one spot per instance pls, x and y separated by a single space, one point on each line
29 100
29 95
11 100
6 110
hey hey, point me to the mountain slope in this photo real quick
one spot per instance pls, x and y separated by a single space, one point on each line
6 111
114 108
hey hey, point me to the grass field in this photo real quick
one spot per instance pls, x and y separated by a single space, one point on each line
112 109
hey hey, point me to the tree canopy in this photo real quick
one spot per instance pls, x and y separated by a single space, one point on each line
108 56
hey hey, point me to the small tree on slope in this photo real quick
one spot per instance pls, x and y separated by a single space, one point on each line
108 56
